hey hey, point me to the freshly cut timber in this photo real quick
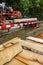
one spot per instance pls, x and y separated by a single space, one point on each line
33 50
11 42
7 45
15 62
1 47
21 52
26 19
28 55
28 62
40 36
8 53
35 39
32 45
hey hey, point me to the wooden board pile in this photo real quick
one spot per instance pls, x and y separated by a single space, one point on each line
21 52
40 36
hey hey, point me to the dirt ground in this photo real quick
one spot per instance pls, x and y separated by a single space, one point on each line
22 33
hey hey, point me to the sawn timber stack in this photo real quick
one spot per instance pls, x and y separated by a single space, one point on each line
21 52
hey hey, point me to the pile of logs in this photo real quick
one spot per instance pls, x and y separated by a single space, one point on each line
21 52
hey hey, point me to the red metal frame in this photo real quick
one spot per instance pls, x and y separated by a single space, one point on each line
4 26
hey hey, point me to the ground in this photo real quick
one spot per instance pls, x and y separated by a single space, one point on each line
22 33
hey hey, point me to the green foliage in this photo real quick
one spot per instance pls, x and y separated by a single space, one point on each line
31 8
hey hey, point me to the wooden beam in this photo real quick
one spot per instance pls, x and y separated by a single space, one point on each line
28 62
35 39
31 44
30 58
15 62
8 53
1 47
11 42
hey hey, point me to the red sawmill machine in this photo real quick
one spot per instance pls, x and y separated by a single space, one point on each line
7 18
12 19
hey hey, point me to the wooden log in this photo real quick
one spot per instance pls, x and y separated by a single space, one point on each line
28 55
8 53
15 62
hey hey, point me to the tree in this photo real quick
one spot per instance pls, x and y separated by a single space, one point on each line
31 8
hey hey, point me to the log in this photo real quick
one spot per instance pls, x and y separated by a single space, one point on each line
28 55
8 53
15 62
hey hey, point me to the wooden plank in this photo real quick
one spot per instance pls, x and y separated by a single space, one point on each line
28 55
32 45
40 36
10 52
35 45
28 62
15 62
7 45
1 47
11 42
35 39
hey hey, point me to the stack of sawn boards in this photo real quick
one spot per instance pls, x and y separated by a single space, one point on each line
21 52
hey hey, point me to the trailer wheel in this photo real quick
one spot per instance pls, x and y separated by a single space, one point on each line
25 26
8 30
